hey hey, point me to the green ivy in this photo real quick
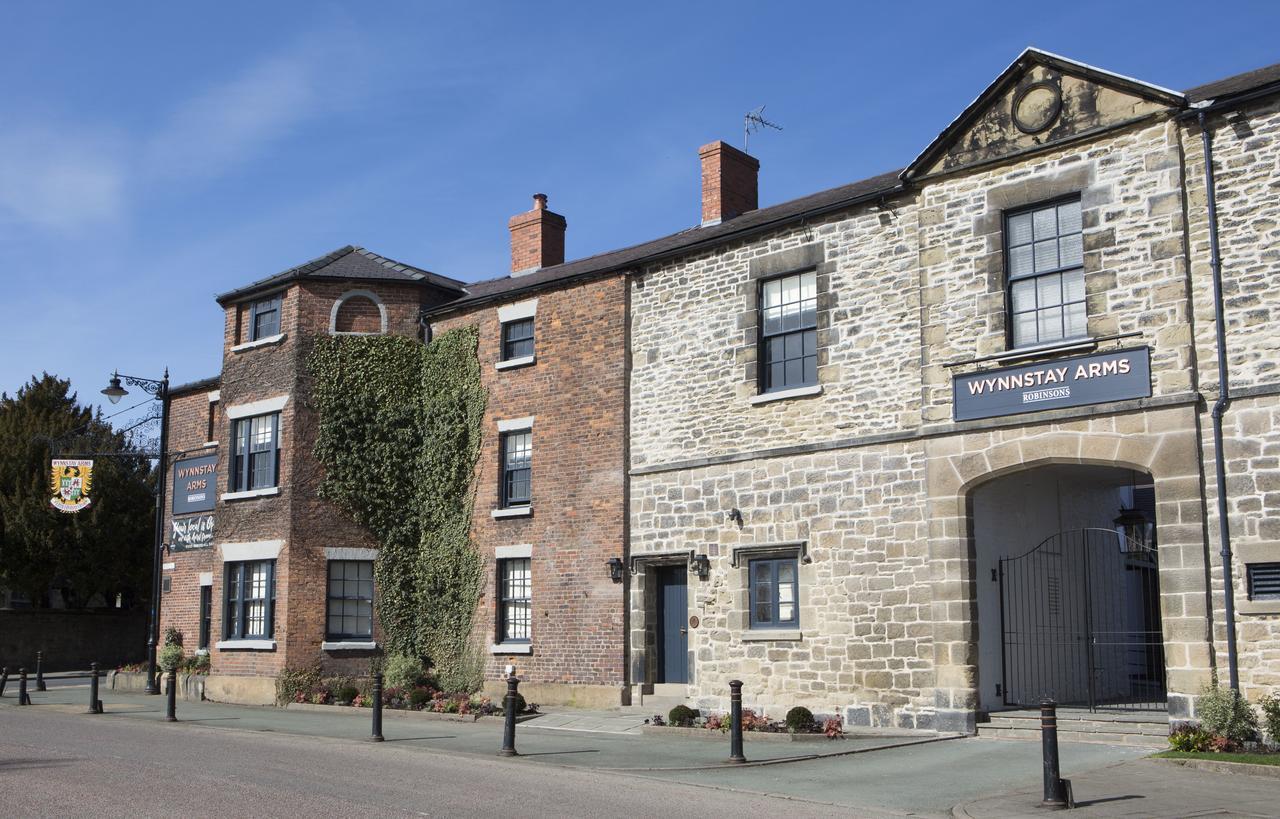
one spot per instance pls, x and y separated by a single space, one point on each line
399 434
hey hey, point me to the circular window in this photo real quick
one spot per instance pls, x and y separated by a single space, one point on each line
1036 107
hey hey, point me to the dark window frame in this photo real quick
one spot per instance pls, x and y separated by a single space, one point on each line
243 475
268 306
1250 580
330 599
235 602
764 383
206 617
1010 278
772 566
513 345
505 597
508 478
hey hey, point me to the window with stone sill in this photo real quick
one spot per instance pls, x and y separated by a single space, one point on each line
255 454
1044 263
775 593
249 605
517 339
264 318
349 604
516 468
788 324
515 612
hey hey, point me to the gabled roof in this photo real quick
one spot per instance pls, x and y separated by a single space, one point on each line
686 241
1028 58
349 263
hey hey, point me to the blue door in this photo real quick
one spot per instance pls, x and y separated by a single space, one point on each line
673 633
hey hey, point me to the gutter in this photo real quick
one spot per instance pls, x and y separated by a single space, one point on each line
1220 406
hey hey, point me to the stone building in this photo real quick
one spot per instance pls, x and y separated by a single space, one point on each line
943 438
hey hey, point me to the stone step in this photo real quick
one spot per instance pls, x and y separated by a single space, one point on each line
1151 728
1068 734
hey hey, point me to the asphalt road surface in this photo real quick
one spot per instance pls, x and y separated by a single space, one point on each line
58 764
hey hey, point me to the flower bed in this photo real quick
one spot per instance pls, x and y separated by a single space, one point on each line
345 691
799 725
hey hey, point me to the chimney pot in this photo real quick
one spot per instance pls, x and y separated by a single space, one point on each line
730 182
537 238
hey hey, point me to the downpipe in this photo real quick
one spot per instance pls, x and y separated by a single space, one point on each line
1220 406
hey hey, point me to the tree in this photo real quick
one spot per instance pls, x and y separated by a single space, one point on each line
102 550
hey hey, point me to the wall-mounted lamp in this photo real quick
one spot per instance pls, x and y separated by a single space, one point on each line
735 516
701 565
615 569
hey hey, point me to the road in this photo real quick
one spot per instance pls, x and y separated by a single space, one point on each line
59 764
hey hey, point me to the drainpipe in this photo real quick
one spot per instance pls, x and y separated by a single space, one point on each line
1220 406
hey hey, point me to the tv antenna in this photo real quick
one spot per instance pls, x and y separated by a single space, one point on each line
752 122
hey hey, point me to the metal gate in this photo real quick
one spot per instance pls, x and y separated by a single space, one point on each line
1080 622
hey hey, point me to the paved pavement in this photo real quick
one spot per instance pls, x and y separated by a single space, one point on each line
977 775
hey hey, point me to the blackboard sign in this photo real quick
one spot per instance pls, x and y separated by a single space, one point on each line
195 481
192 533
1066 382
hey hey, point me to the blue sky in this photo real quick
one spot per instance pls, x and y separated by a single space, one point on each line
152 155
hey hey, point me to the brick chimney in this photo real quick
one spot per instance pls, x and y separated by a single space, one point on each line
729 182
537 238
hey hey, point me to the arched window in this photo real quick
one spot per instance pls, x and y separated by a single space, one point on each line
358 312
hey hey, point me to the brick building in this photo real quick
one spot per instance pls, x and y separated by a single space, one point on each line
912 450
260 572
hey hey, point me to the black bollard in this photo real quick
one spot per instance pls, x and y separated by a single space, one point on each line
1055 788
735 722
377 708
40 671
4 679
23 697
509 718
95 704
171 707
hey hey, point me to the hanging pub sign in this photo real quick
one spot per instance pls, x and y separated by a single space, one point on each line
1068 382
72 481
194 483
191 533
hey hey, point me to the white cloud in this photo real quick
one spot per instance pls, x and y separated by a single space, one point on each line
232 121
60 179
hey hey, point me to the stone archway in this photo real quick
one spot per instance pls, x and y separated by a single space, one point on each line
1162 443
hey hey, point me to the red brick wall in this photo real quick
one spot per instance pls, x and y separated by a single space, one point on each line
296 515
188 433
358 314
576 392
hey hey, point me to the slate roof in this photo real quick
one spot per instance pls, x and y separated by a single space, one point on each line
881 186
686 241
347 263
1239 84
210 383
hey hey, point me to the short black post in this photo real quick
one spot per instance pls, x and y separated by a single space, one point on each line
23 697
40 671
377 708
95 704
171 707
1055 789
4 679
735 722
509 717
